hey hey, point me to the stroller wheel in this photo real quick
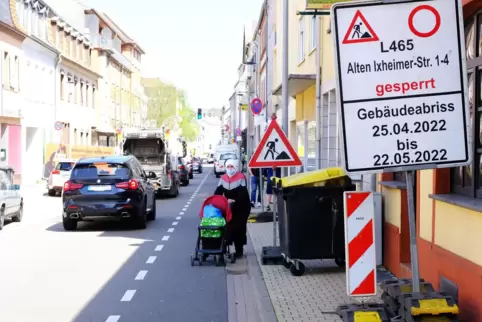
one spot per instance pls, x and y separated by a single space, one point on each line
200 259
217 260
232 258
193 258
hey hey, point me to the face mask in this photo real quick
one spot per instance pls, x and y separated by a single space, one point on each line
230 172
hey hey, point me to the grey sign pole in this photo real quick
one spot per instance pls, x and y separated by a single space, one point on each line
413 231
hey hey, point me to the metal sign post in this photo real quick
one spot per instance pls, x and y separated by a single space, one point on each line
402 91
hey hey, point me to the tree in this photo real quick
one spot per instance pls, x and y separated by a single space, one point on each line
164 101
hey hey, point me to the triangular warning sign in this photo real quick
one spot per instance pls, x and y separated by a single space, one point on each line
274 150
359 31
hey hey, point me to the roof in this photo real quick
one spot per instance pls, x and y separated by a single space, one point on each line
107 158
116 29
260 20
5 13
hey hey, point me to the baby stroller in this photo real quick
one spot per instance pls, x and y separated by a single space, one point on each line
211 240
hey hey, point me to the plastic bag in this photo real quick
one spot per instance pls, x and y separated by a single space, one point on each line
219 222
211 212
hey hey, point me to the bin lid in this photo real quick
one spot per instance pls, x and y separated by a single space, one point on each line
310 177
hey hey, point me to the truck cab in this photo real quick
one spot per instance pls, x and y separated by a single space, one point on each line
150 148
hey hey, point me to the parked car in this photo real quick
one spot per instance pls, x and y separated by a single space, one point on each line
219 168
183 172
11 199
197 165
211 158
190 171
108 188
59 175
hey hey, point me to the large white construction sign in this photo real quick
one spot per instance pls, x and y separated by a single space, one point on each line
402 85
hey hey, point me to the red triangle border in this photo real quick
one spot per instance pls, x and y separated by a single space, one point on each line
360 15
274 126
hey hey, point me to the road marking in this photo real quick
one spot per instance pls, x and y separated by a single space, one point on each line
165 238
178 218
140 276
128 295
151 259
113 318
159 248
170 230
174 223
184 209
188 203
181 213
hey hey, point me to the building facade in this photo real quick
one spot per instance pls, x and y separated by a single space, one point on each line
118 59
39 87
11 100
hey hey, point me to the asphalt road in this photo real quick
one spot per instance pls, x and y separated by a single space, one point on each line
107 272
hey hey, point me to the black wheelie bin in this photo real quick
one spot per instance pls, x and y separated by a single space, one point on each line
311 217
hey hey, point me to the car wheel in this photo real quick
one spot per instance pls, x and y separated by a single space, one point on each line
152 213
19 215
52 192
218 175
140 220
69 224
2 218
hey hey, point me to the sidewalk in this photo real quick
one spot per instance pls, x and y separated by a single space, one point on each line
311 297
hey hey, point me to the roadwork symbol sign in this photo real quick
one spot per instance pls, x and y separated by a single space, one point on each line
274 150
359 31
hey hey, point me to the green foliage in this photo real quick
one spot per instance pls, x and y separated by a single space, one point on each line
163 100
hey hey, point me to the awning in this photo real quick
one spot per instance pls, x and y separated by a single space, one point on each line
297 83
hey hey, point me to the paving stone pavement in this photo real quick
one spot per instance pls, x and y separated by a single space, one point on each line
311 297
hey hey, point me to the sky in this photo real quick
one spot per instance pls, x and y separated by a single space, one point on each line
195 45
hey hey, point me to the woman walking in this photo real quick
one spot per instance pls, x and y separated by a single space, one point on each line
233 185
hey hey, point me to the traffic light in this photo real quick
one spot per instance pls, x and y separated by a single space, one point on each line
199 113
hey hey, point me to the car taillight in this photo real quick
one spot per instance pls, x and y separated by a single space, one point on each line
56 172
70 186
181 167
129 185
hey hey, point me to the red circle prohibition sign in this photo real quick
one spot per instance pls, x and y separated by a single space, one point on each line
437 21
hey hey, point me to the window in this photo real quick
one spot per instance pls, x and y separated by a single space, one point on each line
313 33
14 73
19 6
42 27
60 39
468 180
69 84
87 103
82 101
6 70
62 86
75 90
93 97
301 52
35 24
26 10
73 47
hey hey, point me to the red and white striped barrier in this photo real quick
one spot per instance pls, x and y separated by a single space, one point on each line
361 267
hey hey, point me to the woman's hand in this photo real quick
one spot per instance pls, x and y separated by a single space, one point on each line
231 200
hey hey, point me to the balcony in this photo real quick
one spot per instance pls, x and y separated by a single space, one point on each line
103 42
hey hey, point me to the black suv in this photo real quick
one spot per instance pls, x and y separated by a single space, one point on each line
111 187
183 172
